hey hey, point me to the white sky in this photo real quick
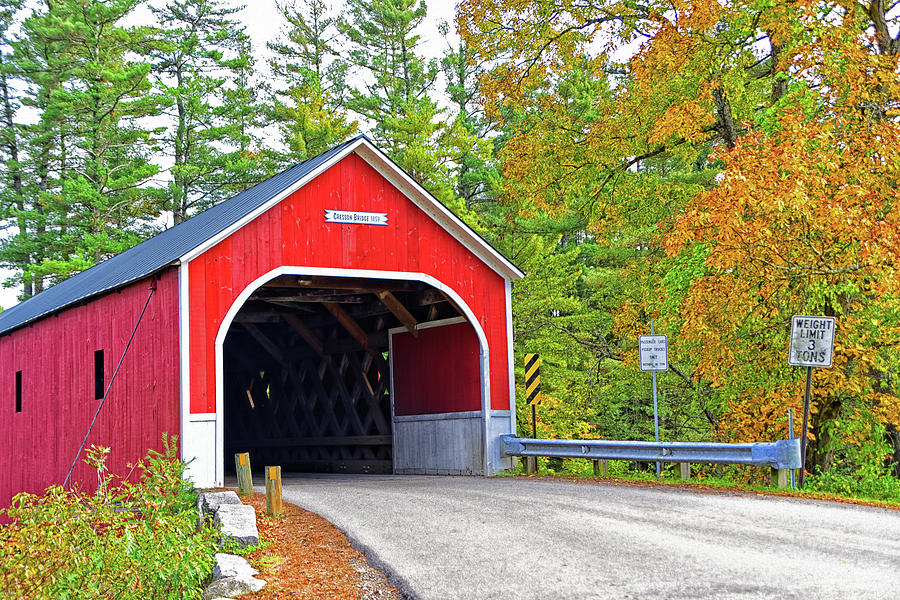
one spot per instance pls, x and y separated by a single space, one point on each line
264 24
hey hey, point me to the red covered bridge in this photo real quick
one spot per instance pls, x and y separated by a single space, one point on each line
335 317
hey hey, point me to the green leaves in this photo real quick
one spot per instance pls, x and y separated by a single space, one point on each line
84 165
203 65
308 104
126 541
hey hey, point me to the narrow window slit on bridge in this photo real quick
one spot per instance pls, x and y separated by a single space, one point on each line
99 376
18 391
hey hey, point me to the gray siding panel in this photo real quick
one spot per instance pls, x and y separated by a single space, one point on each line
438 445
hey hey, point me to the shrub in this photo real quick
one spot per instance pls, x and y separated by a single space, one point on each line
127 540
882 488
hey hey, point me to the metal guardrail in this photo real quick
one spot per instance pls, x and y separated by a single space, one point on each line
783 454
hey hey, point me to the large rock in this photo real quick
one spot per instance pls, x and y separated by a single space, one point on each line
229 587
209 502
231 565
238 523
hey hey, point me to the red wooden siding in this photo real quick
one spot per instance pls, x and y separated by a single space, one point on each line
438 372
294 233
56 357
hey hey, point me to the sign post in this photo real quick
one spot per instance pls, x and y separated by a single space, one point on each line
790 437
532 387
654 356
812 345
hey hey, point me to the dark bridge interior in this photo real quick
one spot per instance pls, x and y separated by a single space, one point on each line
306 371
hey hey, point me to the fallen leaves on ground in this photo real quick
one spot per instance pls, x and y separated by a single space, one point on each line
309 558
707 489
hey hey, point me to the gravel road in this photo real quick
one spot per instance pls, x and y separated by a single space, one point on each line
470 537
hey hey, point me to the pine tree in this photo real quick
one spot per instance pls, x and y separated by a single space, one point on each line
307 44
202 62
247 161
397 100
477 179
93 112
309 106
383 43
12 201
40 66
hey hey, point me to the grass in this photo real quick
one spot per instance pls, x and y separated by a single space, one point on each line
882 492
231 547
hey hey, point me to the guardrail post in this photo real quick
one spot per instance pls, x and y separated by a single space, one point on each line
781 478
244 476
273 492
601 468
530 465
685 470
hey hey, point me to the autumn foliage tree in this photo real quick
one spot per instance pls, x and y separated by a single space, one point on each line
751 149
804 221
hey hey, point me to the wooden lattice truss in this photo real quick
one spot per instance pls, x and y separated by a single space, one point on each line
306 370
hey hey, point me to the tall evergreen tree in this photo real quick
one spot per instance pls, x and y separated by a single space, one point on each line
399 80
243 109
396 100
97 114
308 106
201 62
477 178
309 43
83 159
13 208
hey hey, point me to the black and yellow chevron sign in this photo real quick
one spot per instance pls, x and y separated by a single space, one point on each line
532 378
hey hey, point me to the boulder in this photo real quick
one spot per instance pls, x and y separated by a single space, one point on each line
231 565
229 587
209 502
238 522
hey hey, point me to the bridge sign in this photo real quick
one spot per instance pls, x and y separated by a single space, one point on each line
812 341
654 352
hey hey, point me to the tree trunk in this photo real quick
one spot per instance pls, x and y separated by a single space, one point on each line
820 455
724 118
180 200
779 84
893 437
15 176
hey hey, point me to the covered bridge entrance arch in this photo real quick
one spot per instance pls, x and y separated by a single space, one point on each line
370 322
353 371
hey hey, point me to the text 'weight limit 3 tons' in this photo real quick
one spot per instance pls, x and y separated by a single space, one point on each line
812 341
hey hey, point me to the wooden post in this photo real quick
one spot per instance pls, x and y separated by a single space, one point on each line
601 468
273 492
781 478
530 465
685 468
244 475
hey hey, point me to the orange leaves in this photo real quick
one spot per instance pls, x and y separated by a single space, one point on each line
761 417
686 120
802 202
803 220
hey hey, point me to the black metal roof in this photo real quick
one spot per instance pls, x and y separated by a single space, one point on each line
161 250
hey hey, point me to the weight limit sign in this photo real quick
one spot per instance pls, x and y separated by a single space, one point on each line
812 341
